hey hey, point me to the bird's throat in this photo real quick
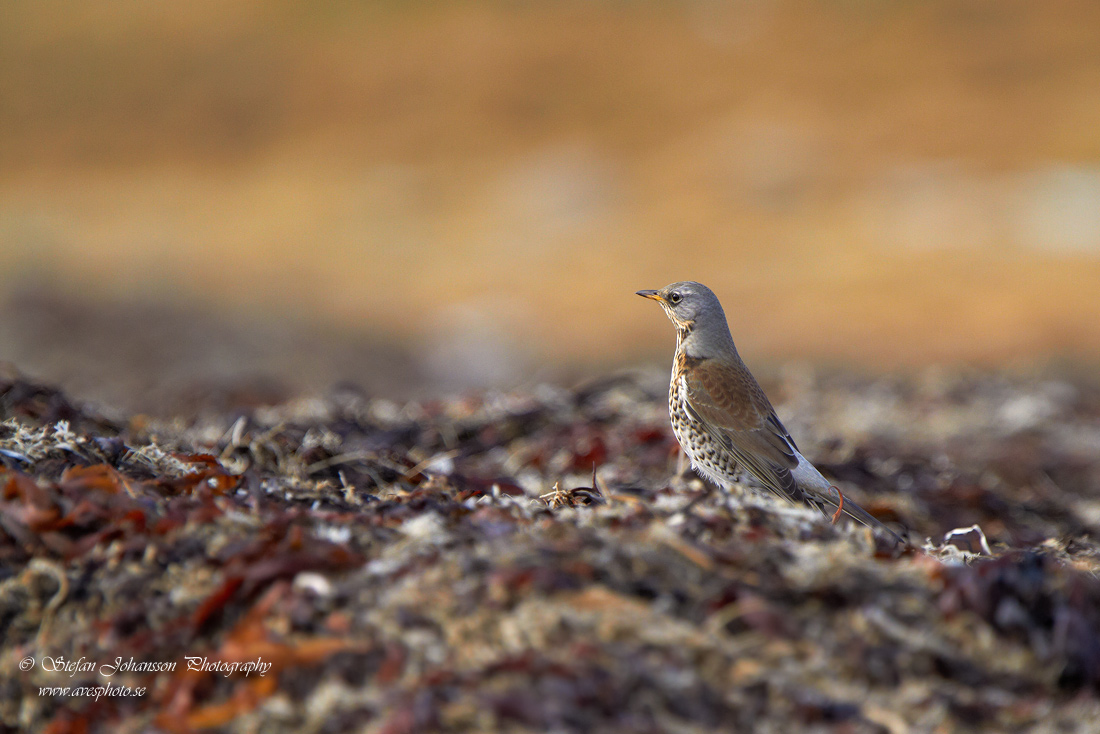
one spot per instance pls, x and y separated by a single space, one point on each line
683 331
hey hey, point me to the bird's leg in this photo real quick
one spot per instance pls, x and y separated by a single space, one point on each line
707 489
839 507
681 463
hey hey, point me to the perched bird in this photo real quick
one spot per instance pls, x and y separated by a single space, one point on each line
721 416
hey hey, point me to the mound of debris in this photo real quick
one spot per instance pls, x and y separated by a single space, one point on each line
533 561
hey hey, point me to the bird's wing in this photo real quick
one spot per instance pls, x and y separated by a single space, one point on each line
728 402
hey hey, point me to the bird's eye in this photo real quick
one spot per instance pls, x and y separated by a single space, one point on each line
675 298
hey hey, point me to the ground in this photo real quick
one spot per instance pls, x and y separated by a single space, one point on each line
345 563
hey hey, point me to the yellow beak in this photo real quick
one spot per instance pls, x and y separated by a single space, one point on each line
652 295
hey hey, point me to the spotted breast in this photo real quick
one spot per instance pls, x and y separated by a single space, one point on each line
707 456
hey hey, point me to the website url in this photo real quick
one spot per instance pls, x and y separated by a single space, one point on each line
97 692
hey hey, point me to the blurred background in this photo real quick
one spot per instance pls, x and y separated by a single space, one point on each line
245 199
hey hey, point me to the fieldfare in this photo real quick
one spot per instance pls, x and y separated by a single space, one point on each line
721 416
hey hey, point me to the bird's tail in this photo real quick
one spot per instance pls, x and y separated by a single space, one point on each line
822 493
857 513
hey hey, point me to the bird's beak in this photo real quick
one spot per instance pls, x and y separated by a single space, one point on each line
653 295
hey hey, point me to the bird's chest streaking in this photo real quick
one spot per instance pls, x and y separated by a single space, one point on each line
708 457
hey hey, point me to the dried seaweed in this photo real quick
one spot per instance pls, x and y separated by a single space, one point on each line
534 562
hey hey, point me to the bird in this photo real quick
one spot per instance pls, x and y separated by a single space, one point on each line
723 420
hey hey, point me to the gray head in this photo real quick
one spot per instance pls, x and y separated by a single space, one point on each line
695 310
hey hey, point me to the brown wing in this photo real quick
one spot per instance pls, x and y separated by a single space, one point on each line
729 403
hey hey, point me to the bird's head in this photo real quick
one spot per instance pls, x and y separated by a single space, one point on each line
688 303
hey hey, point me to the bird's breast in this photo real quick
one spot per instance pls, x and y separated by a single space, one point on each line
677 410
684 363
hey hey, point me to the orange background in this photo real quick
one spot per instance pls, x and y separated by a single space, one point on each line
891 184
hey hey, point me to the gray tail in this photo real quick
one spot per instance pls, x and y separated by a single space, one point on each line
854 511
